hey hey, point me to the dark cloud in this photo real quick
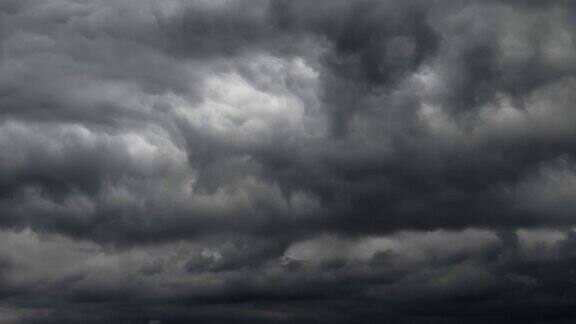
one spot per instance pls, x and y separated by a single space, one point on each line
279 161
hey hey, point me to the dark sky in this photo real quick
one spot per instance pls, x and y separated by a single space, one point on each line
287 161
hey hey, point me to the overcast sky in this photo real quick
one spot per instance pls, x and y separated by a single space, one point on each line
287 161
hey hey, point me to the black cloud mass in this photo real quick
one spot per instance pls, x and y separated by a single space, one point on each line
287 161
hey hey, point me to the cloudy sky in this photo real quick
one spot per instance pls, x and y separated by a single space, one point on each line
287 161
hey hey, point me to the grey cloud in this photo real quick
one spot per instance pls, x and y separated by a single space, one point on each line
287 161
456 275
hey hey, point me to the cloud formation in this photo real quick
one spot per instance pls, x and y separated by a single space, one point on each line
277 161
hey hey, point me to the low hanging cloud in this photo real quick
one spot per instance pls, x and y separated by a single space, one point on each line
277 161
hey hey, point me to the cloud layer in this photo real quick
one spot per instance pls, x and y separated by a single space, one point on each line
275 161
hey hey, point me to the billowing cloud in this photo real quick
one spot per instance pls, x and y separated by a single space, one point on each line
278 161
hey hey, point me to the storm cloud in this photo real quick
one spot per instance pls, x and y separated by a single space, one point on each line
287 161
